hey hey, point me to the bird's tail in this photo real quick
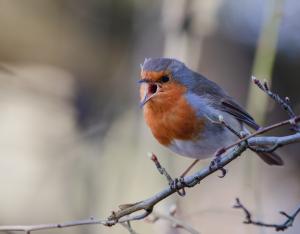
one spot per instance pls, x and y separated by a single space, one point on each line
271 158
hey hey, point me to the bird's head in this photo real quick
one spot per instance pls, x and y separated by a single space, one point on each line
162 81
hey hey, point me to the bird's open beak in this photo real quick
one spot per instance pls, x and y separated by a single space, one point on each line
149 90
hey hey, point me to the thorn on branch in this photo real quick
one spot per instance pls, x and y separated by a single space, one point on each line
278 227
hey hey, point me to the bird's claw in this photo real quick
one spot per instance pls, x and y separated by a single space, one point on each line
224 172
215 164
174 185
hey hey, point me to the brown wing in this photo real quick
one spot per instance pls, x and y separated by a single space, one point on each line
238 112
222 101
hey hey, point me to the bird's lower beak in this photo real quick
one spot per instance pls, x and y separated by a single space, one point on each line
149 90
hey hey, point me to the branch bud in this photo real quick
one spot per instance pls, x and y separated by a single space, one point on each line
254 79
152 157
287 99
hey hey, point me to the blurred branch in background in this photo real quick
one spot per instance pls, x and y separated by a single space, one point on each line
257 102
175 222
278 227
265 57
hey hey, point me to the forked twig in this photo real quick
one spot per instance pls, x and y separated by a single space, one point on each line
278 227
284 103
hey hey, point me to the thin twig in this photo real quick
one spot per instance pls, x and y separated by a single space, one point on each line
284 103
258 132
31 228
222 122
128 227
278 227
159 167
189 168
172 182
176 223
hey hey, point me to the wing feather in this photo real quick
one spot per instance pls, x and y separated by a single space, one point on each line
221 100
238 112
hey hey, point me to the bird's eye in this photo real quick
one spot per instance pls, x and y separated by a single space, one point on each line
164 79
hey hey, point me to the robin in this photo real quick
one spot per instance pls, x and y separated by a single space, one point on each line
181 107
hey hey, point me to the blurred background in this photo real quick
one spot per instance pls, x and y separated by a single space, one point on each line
73 143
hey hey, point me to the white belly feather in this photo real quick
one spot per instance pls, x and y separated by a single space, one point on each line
205 147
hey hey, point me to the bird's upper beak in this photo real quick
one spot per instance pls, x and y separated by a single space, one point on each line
148 91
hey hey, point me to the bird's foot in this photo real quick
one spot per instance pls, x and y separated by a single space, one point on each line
176 183
215 165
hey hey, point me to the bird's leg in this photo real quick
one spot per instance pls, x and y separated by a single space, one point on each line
189 168
215 163
175 182
174 185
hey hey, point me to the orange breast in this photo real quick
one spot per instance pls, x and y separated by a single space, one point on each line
171 117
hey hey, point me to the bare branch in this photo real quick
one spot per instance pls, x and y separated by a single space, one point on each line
278 227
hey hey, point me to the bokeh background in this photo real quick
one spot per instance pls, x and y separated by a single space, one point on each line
73 143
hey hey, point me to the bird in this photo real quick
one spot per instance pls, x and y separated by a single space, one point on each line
182 109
